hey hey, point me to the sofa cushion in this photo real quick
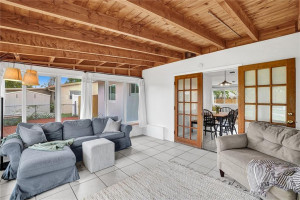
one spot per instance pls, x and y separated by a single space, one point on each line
278 141
53 131
100 123
34 162
78 141
112 135
77 128
32 135
241 157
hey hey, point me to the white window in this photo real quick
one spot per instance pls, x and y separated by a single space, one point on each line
75 92
225 96
112 92
134 89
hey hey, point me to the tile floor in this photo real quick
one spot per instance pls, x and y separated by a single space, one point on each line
145 152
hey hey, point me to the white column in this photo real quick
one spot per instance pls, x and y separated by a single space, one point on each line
106 86
58 99
125 94
24 100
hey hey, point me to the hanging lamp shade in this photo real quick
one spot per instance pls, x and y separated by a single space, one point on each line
225 82
12 74
30 78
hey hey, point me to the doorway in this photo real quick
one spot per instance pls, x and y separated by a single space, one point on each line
188 109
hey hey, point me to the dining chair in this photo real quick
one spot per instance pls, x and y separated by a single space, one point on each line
209 121
225 109
229 122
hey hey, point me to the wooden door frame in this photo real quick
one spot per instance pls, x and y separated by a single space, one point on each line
196 143
291 89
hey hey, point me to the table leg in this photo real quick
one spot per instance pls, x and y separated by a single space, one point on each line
221 122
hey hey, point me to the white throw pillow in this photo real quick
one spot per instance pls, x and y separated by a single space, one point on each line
112 126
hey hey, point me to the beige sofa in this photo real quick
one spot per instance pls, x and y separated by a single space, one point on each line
262 141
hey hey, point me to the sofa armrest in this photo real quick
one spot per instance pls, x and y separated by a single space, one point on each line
126 129
13 149
231 142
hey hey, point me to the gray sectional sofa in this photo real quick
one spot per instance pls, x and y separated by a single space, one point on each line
38 171
263 141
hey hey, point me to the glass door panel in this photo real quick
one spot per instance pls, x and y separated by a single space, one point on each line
267 93
188 101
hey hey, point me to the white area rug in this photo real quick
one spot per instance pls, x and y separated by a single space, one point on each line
171 181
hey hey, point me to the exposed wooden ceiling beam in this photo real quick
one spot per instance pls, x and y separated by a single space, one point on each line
95 19
236 12
28 50
69 66
299 15
176 19
14 37
79 61
30 25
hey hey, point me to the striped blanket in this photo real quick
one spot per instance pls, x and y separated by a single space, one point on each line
264 174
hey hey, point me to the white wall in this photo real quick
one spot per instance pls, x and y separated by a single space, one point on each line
159 81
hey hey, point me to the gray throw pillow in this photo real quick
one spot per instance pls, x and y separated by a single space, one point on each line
33 135
112 126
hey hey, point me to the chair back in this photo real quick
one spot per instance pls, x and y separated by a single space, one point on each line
225 109
208 116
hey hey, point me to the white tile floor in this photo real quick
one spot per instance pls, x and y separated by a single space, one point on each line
145 152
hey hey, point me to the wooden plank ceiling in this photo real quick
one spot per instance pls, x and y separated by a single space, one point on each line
125 37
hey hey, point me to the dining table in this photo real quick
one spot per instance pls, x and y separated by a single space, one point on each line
220 117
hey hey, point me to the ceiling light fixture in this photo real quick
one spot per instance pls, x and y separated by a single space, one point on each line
225 82
12 74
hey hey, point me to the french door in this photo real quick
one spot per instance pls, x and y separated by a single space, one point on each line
267 92
188 109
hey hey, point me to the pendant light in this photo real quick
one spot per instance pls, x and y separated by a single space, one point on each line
12 74
225 82
30 77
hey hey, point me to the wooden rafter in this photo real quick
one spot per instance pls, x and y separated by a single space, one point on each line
177 20
28 50
236 12
51 60
34 26
91 18
299 15
14 37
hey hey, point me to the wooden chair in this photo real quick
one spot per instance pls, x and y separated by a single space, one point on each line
209 121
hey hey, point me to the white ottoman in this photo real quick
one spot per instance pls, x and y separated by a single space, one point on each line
98 154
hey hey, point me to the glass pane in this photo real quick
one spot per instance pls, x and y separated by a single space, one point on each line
187 133
180 120
263 113
263 77
180 84
180 131
231 96
279 75
279 114
12 107
115 106
194 83
279 94
194 134
194 121
180 108
250 78
187 122
187 108
263 94
218 96
250 95
194 108
187 96
187 85
194 96
132 100
250 112
180 96
40 100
